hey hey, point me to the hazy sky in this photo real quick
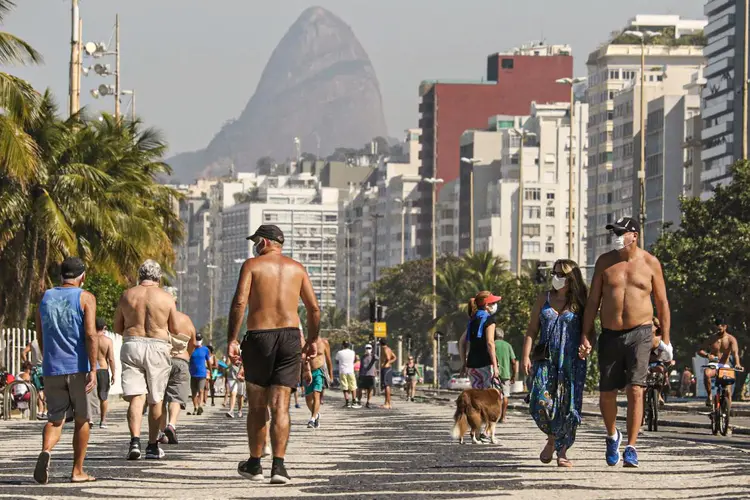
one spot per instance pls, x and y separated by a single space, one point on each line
195 64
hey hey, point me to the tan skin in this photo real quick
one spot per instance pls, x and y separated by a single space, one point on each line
323 356
717 348
559 302
40 402
411 389
106 360
145 311
624 282
183 325
489 334
269 288
387 358
53 430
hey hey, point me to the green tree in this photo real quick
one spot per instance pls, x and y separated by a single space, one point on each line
107 291
706 264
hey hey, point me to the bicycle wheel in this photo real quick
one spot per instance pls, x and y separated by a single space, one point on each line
715 416
650 409
724 420
655 410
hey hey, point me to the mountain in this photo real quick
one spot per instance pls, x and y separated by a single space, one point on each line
319 85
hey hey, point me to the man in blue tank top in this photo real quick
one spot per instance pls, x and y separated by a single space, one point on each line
69 345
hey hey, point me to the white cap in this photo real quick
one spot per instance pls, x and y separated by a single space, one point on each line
368 346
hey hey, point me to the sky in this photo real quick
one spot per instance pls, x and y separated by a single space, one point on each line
194 64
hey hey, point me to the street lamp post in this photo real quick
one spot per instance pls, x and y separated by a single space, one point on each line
131 93
644 36
434 181
571 82
348 274
523 134
471 162
403 228
179 276
211 269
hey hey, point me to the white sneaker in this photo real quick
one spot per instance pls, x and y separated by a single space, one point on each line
230 414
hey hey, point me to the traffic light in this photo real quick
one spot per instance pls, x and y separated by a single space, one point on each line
373 310
380 312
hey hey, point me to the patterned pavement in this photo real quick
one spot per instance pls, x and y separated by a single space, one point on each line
403 453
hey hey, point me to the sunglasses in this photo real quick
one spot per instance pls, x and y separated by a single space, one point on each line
559 274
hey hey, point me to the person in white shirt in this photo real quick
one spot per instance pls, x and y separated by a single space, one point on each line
345 359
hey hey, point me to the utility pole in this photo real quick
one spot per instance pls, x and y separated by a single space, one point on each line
403 233
519 209
74 90
642 169
117 68
79 65
745 76
571 175
348 276
434 182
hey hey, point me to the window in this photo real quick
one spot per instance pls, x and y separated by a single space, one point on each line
531 247
551 195
531 230
549 248
330 218
550 230
550 212
532 212
532 194
506 63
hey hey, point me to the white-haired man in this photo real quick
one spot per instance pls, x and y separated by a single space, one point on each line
145 315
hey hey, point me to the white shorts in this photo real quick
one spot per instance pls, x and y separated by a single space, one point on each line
237 387
146 364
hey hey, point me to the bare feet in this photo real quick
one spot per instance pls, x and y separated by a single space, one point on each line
548 452
85 478
562 459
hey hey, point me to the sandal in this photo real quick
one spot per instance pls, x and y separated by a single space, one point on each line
564 462
545 459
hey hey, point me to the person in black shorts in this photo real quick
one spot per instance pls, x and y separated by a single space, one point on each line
368 367
269 288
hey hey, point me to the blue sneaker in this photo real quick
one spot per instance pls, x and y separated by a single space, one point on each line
613 450
630 457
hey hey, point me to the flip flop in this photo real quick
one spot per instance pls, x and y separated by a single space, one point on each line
87 479
545 459
41 471
564 462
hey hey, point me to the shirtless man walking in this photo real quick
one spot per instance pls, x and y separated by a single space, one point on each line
717 348
178 386
387 358
270 286
105 373
145 315
313 373
624 281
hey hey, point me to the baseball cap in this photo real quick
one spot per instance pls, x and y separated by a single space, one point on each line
368 347
490 300
268 231
71 268
625 225
198 337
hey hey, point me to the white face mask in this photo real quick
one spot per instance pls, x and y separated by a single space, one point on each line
558 283
618 243
492 309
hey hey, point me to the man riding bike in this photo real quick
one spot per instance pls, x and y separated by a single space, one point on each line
718 348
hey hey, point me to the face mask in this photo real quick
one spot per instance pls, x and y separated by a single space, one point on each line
558 283
619 243
492 309
257 249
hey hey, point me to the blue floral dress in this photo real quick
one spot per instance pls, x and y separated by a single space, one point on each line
557 389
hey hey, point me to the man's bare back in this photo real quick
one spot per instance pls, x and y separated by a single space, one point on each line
626 289
145 311
104 352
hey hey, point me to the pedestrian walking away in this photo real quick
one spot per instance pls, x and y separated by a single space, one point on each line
33 354
105 372
200 362
235 378
559 374
314 372
144 317
625 279
345 359
506 369
182 344
269 289
476 347
368 369
387 358
411 375
69 348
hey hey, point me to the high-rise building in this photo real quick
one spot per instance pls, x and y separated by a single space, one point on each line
722 96
614 149
514 80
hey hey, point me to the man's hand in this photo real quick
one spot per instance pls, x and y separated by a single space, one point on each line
90 381
512 380
307 376
526 363
667 348
584 349
113 379
310 350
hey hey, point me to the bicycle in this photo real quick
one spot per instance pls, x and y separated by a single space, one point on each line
720 397
654 385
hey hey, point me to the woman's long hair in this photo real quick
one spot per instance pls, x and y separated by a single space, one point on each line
578 292
476 302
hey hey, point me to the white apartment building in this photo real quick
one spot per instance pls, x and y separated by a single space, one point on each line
722 97
373 217
612 67
545 164
667 176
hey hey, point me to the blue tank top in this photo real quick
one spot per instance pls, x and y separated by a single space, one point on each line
63 333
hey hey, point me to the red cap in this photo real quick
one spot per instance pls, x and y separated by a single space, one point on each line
491 300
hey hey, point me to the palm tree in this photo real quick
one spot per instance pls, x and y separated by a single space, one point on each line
487 271
453 292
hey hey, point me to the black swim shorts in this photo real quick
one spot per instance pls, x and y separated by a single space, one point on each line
272 357
623 357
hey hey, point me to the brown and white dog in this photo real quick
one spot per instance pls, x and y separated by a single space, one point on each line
476 408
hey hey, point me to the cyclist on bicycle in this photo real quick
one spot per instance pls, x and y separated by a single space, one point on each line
659 358
718 348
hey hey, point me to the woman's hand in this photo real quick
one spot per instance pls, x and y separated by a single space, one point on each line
526 362
584 349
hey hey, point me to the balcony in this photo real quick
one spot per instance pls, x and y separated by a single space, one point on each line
723 106
717 130
714 6
724 149
718 46
714 90
719 25
718 67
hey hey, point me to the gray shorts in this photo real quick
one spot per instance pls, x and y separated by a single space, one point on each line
146 364
178 386
66 394
505 388
197 384
623 357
